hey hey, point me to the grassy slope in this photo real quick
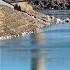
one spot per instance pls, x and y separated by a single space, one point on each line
15 22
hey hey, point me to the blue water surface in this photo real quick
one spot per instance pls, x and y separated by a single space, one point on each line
16 54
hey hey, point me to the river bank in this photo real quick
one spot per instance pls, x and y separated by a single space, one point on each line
15 23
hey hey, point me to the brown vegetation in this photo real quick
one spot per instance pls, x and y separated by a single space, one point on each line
14 22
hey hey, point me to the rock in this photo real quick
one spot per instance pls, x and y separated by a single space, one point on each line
67 20
59 21
25 6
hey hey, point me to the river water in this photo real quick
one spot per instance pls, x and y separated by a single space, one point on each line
47 50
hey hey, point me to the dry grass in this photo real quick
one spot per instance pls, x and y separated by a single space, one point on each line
13 22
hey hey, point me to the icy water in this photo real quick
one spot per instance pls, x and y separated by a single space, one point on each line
53 49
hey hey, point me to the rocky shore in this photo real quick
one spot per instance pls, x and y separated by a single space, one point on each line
13 22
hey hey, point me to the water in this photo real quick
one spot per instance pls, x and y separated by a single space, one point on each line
58 13
48 50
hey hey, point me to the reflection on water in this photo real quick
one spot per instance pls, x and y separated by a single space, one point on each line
62 14
43 50
37 60
17 52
